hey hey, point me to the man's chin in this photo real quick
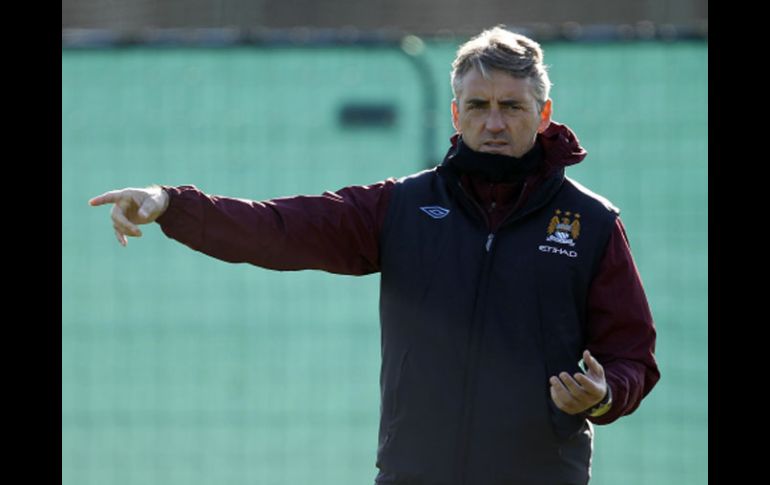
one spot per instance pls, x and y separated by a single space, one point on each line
496 150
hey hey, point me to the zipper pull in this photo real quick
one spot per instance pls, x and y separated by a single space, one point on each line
489 241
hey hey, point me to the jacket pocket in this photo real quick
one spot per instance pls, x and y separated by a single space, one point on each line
391 403
396 392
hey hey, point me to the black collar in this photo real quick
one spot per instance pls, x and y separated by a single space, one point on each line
494 167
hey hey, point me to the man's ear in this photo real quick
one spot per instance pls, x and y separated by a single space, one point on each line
455 115
545 117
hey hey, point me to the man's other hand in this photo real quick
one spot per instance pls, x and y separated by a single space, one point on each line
578 393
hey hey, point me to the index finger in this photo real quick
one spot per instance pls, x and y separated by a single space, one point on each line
107 197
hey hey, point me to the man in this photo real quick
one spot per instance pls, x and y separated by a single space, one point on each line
498 276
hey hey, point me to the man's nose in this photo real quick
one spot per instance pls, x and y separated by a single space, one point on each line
494 123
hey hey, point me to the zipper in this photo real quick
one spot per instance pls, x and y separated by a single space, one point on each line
516 206
491 235
474 353
475 204
476 335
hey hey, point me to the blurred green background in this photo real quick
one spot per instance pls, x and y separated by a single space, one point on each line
181 369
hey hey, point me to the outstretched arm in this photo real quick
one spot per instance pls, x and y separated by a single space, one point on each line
336 231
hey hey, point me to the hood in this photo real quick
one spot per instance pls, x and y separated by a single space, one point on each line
561 145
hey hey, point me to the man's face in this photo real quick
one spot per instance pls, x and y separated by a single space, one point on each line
498 115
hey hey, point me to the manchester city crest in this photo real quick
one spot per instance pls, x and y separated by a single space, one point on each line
564 228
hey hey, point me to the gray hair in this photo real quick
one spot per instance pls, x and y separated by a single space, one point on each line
503 50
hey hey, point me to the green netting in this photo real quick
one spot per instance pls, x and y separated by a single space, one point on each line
180 369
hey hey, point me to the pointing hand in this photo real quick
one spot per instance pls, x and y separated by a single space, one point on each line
132 207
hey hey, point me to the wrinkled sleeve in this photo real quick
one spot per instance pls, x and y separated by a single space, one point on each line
336 232
621 332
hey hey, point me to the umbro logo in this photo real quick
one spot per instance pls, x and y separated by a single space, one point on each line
435 211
